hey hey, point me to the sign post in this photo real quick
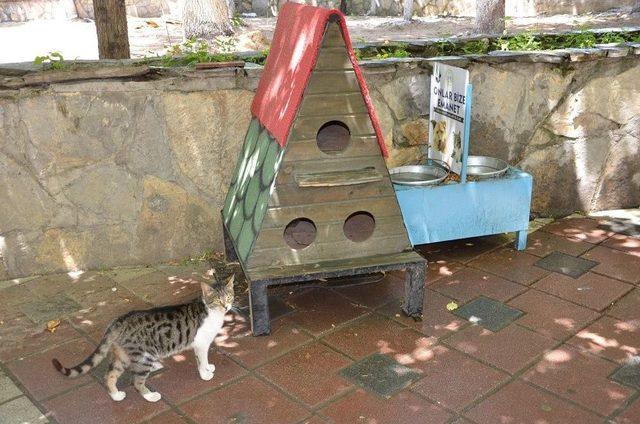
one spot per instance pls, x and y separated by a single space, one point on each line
450 115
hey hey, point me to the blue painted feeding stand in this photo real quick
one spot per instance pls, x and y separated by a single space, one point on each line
471 209
457 210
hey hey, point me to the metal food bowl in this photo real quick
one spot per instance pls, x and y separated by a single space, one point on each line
480 167
431 173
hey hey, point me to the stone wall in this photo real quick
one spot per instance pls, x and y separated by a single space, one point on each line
114 172
20 11
514 8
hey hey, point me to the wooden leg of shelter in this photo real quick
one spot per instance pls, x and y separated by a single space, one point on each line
414 290
259 305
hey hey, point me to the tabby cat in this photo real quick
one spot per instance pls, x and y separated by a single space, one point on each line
140 339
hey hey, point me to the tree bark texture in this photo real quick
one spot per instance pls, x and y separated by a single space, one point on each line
407 10
206 19
111 27
490 16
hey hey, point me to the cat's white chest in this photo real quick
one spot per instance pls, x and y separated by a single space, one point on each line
209 329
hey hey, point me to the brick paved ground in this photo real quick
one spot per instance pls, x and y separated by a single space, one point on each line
565 346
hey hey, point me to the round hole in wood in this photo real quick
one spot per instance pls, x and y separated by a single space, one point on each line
300 233
333 137
359 226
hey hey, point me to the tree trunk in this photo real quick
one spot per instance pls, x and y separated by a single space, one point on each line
206 19
490 16
111 26
407 10
636 8
343 6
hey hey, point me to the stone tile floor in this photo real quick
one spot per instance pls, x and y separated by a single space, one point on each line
554 341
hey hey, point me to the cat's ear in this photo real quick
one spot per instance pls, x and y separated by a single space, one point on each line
229 286
206 289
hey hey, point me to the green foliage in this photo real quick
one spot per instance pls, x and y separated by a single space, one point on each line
524 41
578 40
237 21
194 51
476 47
613 37
53 60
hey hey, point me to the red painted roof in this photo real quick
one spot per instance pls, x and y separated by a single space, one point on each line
292 57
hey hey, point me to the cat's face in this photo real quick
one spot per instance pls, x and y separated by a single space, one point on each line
218 296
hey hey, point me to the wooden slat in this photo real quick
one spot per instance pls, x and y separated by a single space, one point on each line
307 127
331 211
334 163
257 274
331 82
336 104
337 178
334 59
328 251
308 149
290 195
332 36
270 238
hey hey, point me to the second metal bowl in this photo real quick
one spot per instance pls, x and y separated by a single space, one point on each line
485 167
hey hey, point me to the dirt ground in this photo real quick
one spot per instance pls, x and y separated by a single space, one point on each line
76 39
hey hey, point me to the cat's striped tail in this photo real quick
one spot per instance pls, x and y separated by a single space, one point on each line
92 360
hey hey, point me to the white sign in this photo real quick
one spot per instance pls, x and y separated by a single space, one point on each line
447 114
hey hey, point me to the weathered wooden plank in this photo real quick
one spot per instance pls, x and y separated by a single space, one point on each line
270 238
270 272
332 82
332 104
334 163
308 127
331 211
328 251
332 36
333 59
308 149
289 195
337 178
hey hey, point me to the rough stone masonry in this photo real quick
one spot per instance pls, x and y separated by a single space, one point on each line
105 173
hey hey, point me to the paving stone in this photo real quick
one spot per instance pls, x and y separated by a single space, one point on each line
510 349
92 404
403 408
488 313
319 310
628 244
278 308
8 389
584 229
510 264
376 334
249 400
380 374
39 377
375 294
631 415
542 243
463 250
52 308
454 380
629 373
615 263
469 283
21 410
441 268
627 307
565 264
618 340
235 339
436 321
550 315
120 275
591 290
519 402
180 380
169 417
310 373
580 377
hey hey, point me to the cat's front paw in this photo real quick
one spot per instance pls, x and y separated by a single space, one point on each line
118 396
152 396
206 374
